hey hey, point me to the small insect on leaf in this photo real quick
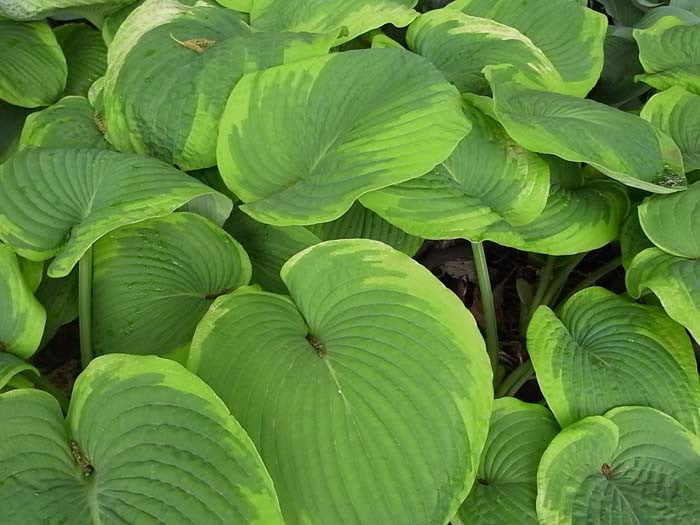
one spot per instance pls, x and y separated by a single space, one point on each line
198 45
85 467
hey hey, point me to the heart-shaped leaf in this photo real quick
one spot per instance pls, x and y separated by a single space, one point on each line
32 66
570 35
601 351
486 180
22 318
674 280
370 362
676 112
58 201
446 36
345 19
69 123
579 130
344 133
171 68
506 486
145 442
670 54
633 465
154 280
11 366
672 222
86 55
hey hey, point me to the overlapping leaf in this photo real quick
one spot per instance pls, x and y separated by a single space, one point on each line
11 122
69 123
345 19
144 440
670 54
602 350
21 316
617 85
153 281
86 56
57 202
353 122
59 297
506 486
371 361
676 112
12 366
633 465
171 68
33 69
570 35
580 130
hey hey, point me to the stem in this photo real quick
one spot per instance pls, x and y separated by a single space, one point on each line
47 386
516 379
85 307
542 282
596 276
487 303
560 280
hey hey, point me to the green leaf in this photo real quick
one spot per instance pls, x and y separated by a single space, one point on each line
569 35
32 272
32 66
361 223
371 361
617 85
677 112
448 37
153 281
487 179
674 280
58 202
344 19
113 21
672 222
86 55
59 297
171 68
11 122
69 123
506 485
268 247
342 135
670 54
632 238
579 130
36 9
21 316
623 12
635 465
145 441
12 366
601 351
692 6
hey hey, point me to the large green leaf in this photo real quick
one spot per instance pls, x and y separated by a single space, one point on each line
569 35
268 247
36 9
343 133
461 46
21 316
145 442
12 366
86 55
579 130
361 223
370 362
486 180
674 280
635 465
670 54
344 19
58 201
154 280
676 112
171 68
69 123
601 351
32 66
59 297
506 487
672 222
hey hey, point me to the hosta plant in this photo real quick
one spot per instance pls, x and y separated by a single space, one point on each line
350 262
